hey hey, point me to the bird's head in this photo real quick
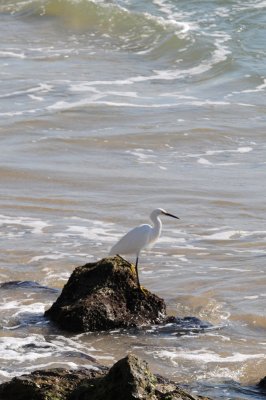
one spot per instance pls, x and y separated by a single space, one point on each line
161 211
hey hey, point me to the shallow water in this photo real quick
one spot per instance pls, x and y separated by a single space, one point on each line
111 109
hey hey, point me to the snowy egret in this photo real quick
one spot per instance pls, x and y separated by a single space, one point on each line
143 236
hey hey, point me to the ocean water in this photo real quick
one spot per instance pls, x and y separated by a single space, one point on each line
109 109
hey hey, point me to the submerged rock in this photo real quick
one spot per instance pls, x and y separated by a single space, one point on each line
129 379
30 285
104 295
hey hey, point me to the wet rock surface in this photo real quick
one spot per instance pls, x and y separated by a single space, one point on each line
54 384
103 296
128 379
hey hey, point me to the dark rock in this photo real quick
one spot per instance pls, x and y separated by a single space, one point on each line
54 384
129 379
104 295
262 383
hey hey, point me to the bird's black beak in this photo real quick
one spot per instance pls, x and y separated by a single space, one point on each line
171 215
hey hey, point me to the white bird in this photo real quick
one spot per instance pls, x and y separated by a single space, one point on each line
143 236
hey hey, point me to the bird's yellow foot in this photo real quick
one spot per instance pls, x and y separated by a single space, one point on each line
143 289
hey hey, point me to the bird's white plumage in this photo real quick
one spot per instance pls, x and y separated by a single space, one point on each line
141 237
133 241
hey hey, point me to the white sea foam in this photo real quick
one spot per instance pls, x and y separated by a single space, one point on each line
229 234
144 156
182 258
94 231
181 28
231 269
35 225
87 87
19 354
175 18
41 88
207 356
225 235
210 153
13 54
217 373
32 308
56 256
204 161
51 276
7 304
19 113
68 343
37 98
18 349
102 97
22 307
80 231
251 5
246 149
166 75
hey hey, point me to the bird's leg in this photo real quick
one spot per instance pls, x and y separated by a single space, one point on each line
137 273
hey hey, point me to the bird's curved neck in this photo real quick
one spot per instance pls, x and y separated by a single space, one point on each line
157 225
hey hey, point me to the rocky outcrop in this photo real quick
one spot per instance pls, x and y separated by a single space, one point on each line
54 384
103 296
129 379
